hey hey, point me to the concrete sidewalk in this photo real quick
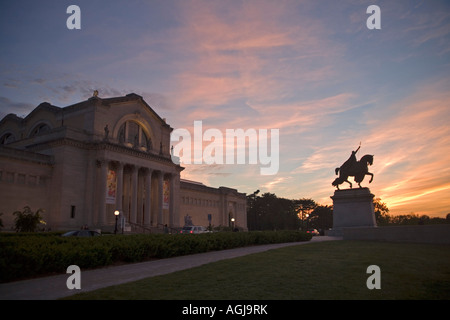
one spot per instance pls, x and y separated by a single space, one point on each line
54 287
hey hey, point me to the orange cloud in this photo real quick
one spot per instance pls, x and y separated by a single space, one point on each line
411 143
413 151
233 54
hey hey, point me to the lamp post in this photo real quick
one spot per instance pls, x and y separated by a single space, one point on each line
232 223
116 213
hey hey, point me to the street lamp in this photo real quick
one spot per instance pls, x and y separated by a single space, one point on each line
232 223
116 213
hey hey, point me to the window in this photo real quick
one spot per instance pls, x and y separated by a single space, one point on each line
72 212
133 134
40 129
7 138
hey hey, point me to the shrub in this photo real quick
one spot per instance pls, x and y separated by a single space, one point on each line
27 220
29 255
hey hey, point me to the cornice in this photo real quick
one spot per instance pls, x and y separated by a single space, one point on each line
103 145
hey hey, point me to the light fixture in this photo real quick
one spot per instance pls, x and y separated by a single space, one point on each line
116 213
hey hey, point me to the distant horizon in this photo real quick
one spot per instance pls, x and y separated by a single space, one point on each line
312 70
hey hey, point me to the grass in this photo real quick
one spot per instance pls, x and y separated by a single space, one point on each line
327 270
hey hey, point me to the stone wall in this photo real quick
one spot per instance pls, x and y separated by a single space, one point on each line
437 234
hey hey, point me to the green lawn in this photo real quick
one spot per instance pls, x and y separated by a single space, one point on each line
327 270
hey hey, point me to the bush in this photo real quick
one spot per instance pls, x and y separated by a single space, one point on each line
29 255
27 220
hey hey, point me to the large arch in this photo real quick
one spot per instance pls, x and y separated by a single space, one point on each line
40 127
133 118
7 137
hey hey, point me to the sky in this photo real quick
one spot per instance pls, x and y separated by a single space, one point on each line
311 69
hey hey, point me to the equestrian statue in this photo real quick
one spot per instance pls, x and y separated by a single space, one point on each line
352 167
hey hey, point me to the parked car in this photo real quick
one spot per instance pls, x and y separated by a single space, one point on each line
194 230
314 232
81 233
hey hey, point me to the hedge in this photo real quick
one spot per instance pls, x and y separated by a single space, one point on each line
31 255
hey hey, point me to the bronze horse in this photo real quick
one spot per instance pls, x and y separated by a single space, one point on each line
357 169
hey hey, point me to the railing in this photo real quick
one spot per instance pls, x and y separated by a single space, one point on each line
159 228
167 229
140 227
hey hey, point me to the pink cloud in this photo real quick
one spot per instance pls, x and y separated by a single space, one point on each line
247 51
233 53
413 151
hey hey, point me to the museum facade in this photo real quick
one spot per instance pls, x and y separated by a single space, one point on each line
83 162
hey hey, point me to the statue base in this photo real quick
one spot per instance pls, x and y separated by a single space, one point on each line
352 208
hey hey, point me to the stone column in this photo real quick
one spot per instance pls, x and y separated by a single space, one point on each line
119 191
101 219
175 200
133 194
126 193
139 199
160 197
148 197
89 208
172 200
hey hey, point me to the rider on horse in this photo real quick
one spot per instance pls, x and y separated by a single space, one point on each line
352 167
351 163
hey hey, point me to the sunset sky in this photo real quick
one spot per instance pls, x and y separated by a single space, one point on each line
311 69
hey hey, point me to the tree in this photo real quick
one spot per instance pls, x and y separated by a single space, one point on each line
383 218
321 218
252 212
406 219
27 220
304 207
268 212
381 211
424 219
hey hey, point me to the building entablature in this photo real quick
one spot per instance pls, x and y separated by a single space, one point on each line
17 154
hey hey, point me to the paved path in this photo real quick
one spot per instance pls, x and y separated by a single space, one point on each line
54 287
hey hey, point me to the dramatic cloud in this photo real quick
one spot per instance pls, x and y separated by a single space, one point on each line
311 69
413 151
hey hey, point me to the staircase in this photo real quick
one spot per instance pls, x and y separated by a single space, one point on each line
136 228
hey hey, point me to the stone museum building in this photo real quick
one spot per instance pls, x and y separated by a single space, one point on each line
83 162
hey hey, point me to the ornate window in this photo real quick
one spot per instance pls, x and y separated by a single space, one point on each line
40 129
7 138
133 135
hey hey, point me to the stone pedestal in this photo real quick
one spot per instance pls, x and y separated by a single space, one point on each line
352 208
